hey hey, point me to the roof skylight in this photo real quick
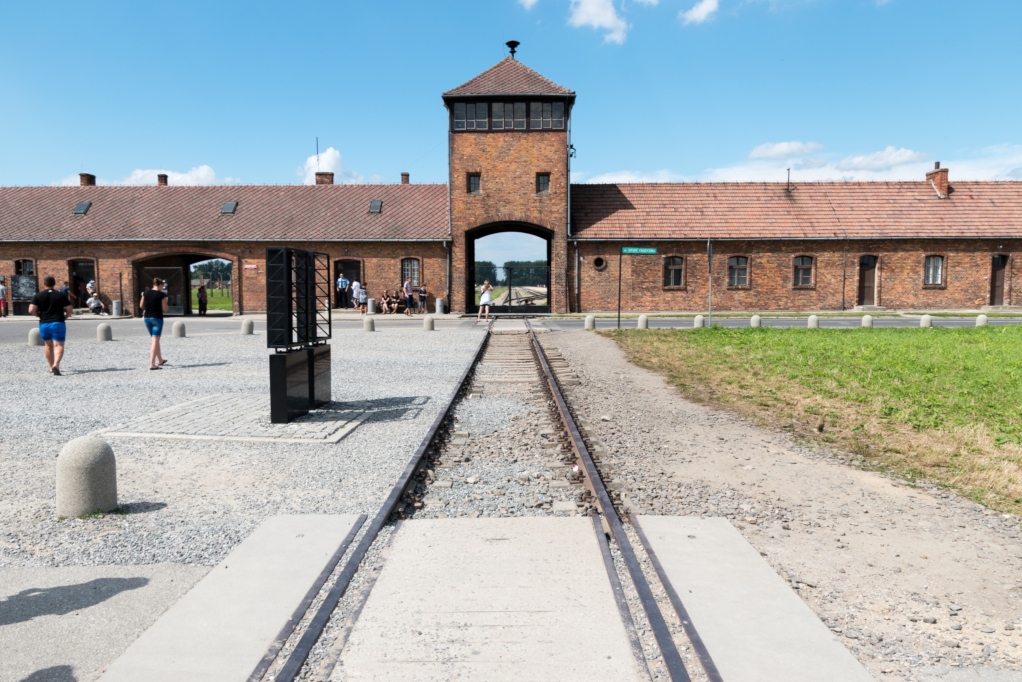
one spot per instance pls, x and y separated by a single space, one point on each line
376 206
81 208
229 208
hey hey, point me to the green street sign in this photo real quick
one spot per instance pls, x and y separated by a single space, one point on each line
639 250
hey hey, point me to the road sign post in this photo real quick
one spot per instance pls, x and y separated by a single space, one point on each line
632 251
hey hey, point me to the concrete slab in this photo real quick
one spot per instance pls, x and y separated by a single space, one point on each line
220 630
753 625
491 599
67 623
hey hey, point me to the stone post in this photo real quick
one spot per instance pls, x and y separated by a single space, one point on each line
34 337
427 323
369 324
247 327
867 320
981 321
590 322
755 321
925 321
104 332
643 322
814 322
86 477
440 306
697 323
179 330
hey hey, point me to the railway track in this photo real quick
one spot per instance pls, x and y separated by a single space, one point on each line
507 445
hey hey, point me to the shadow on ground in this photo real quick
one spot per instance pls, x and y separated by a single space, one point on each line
58 673
58 601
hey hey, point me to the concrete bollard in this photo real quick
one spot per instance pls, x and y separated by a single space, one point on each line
590 322
86 477
756 321
981 321
104 332
34 337
925 321
697 323
370 306
440 306
179 330
369 324
643 322
247 327
427 323
867 320
813 322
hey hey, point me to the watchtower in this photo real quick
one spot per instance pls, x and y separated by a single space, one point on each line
509 144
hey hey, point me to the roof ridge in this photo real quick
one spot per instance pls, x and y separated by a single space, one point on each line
509 77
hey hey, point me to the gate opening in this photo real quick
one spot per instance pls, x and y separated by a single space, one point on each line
182 275
515 260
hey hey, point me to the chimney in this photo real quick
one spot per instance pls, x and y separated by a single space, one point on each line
324 178
404 178
161 179
86 179
938 178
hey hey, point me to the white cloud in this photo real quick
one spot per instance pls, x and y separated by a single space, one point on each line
527 4
648 2
635 176
599 14
883 160
329 160
199 175
778 150
700 12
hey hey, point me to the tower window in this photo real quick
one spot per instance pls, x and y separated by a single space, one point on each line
547 115
471 116
472 185
508 115
542 182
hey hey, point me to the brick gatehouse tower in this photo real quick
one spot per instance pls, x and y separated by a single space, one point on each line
509 148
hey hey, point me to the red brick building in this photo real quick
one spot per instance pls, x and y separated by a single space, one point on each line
931 244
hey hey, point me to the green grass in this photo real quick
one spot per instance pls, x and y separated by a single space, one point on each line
945 404
215 300
494 295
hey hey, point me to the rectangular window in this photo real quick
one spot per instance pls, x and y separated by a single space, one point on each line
475 116
804 271
933 268
410 269
673 271
536 122
459 116
542 182
473 183
24 267
498 115
557 119
519 116
738 271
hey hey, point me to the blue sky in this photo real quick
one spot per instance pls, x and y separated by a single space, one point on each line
222 92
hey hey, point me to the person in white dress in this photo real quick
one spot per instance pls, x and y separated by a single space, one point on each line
484 300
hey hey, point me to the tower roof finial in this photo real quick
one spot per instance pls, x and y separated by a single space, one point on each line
512 45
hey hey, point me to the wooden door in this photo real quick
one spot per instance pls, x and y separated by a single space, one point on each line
867 280
1000 264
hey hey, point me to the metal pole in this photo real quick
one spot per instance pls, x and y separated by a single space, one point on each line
619 261
709 270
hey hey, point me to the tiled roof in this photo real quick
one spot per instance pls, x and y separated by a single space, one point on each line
856 210
265 212
509 77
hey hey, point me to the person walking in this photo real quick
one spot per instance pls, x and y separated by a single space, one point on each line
409 298
203 299
484 300
3 298
52 308
356 294
153 304
342 292
363 300
422 299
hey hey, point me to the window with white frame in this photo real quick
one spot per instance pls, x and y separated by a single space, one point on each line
933 271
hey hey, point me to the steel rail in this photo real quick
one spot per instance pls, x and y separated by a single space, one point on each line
296 659
668 649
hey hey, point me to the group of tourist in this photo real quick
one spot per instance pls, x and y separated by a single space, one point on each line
353 294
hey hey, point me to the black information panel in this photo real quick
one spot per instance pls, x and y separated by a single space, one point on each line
298 326
24 287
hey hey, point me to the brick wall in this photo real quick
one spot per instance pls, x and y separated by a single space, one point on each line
508 163
116 261
899 278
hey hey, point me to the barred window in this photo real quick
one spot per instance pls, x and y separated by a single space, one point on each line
410 268
738 271
804 271
933 270
674 271
24 267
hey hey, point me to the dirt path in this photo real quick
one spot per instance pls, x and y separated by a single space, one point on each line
920 583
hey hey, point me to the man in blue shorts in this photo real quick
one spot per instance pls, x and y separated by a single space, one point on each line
52 308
